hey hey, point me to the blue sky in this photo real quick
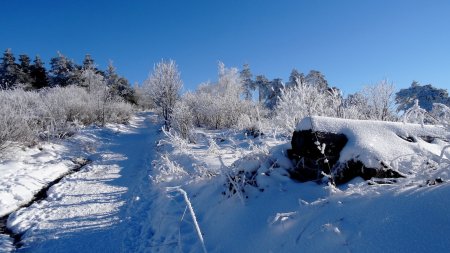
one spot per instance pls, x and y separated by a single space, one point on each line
352 42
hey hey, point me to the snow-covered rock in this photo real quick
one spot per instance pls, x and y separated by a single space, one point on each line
350 148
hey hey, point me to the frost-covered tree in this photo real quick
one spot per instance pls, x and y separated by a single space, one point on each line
426 94
38 74
118 85
317 79
230 82
24 73
247 82
355 107
88 62
295 78
8 70
263 84
380 99
182 118
273 93
63 71
374 102
217 105
164 87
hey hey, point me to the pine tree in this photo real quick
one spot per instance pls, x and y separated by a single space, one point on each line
262 83
88 62
63 71
24 73
317 79
274 91
119 86
426 94
296 78
247 82
38 74
8 70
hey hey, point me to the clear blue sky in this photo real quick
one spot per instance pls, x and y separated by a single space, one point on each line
352 42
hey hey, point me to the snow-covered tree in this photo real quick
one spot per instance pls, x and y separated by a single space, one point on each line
295 77
8 70
374 102
217 105
273 93
317 79
182 119
247 82
88 62
164 87
426 94
380 101
63 71
263 84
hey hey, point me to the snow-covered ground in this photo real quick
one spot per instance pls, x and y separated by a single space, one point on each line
102 207
245 202
239 199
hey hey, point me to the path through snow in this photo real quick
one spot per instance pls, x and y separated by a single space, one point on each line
102 208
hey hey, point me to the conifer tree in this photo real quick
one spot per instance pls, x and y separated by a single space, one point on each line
24 73
247 82
38 74
8 70
63 71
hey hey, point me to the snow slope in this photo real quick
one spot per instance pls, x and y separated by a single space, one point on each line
130 199
276 214
102 208
24 171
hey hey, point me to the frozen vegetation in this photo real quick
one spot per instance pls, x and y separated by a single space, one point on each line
209 170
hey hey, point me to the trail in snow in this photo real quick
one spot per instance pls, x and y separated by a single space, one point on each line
102 208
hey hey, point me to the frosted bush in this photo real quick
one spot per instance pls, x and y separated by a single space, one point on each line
303 100
20 117
57 112
182 119
175 140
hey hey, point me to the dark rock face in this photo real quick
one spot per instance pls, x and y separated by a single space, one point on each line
310 162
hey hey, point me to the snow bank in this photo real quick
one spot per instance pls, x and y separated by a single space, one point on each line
372 142
23 172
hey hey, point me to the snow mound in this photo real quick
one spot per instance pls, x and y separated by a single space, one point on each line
372 142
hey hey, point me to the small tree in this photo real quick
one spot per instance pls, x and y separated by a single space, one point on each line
380 101
164 87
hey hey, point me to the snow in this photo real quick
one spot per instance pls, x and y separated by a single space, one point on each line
24 171
372 142
281 215
101 208
141 194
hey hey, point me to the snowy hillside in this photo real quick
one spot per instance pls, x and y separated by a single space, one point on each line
244 200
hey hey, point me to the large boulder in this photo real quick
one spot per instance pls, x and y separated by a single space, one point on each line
346 149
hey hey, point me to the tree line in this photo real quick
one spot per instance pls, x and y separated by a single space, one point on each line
237 100
63 72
